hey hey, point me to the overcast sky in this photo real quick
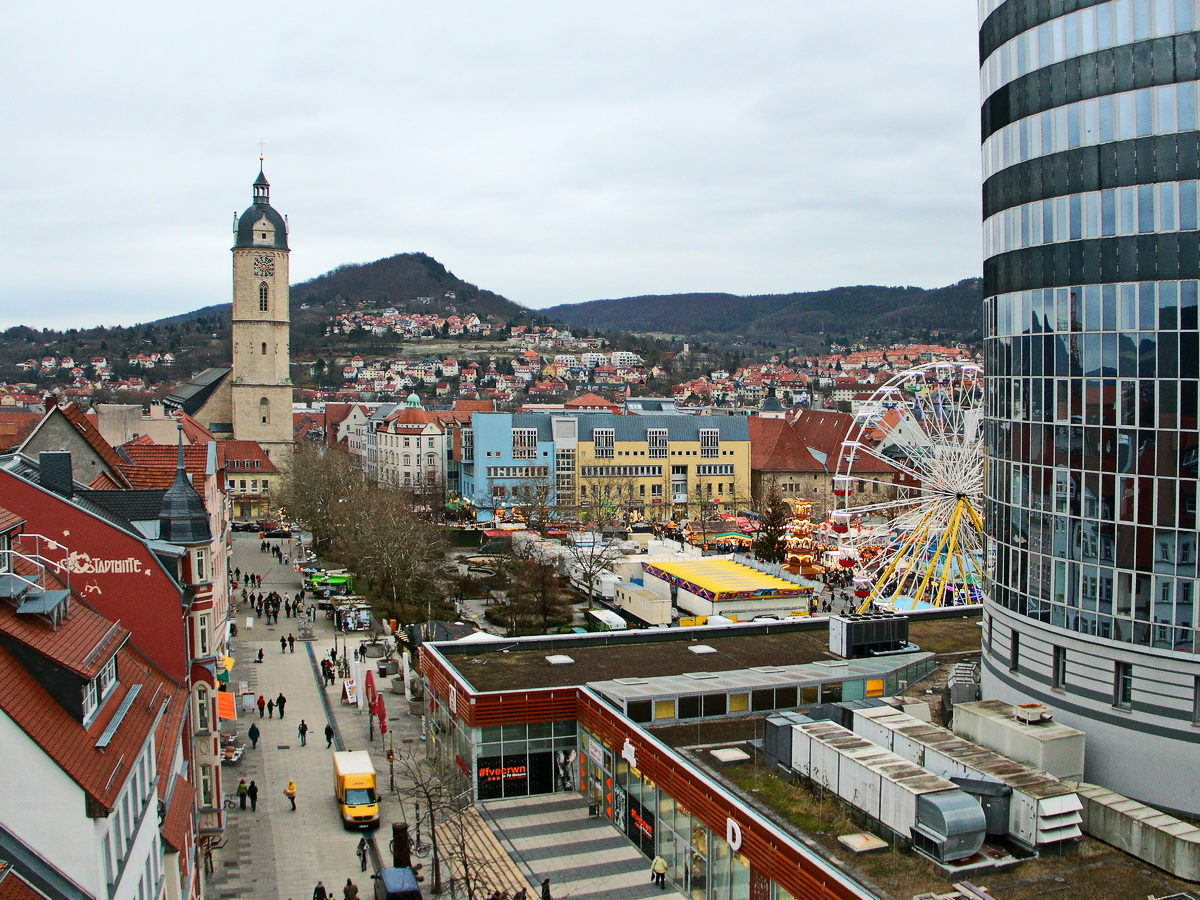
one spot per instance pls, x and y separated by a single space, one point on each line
554 151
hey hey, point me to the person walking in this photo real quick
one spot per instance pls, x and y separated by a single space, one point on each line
252 793
260 655
302 731
290 792
241 792
328 735
254 734
271 709
282 639
362 853
262 703
280 701
319 892
546 889
658 871
291 643
350 891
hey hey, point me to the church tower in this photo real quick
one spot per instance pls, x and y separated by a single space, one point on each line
262 385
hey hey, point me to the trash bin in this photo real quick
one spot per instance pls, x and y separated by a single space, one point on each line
593 809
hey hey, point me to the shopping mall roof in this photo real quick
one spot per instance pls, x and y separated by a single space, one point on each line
520 663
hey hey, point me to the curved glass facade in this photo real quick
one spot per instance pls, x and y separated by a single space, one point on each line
1091 283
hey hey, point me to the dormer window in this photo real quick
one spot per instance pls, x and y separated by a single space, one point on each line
97 690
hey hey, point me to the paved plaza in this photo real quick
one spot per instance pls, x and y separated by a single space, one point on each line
277 853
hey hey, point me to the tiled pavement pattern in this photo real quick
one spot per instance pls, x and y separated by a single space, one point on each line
275 852
491 867
584 857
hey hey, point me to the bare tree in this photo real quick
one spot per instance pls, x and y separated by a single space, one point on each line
378 532
400 554
588 558
534 599
435 800
541 585
534 497
314 490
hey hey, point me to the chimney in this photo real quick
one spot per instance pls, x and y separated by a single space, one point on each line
55 472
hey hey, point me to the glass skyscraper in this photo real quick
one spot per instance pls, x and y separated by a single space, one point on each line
1091 160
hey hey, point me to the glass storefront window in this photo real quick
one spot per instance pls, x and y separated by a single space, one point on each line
719 860
739 877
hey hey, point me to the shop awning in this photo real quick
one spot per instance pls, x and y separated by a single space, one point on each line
226 708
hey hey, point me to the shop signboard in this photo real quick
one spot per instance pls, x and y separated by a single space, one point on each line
497 779
639 826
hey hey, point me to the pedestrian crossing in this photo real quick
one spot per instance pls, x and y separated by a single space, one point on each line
583 856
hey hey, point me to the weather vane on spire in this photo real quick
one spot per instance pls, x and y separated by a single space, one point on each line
261 145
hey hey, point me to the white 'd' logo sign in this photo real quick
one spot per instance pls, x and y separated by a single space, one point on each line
733 834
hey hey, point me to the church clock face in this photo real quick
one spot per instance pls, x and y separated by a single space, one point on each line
264 266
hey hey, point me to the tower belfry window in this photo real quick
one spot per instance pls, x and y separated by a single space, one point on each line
264 409
264 296
264 348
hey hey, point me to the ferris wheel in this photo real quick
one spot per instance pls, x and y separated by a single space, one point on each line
909 491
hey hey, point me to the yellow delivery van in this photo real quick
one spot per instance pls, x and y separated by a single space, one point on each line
355 788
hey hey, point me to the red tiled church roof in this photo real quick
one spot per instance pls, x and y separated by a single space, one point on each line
775 447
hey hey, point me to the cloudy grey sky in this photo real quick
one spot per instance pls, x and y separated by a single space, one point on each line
551 151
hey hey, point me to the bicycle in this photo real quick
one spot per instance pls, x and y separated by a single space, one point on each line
231 801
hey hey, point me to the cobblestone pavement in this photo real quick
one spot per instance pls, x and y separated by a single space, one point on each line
277 852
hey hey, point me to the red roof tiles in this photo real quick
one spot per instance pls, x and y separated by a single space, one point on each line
15 427
81 643
13 888
101 773
152 466
232 452
775 447
91 434
177 823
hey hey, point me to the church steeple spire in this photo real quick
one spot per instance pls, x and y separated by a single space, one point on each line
262 187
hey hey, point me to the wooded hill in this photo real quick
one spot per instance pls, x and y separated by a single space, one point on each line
417 283
856 312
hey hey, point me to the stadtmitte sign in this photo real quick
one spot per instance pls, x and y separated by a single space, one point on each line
85 564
